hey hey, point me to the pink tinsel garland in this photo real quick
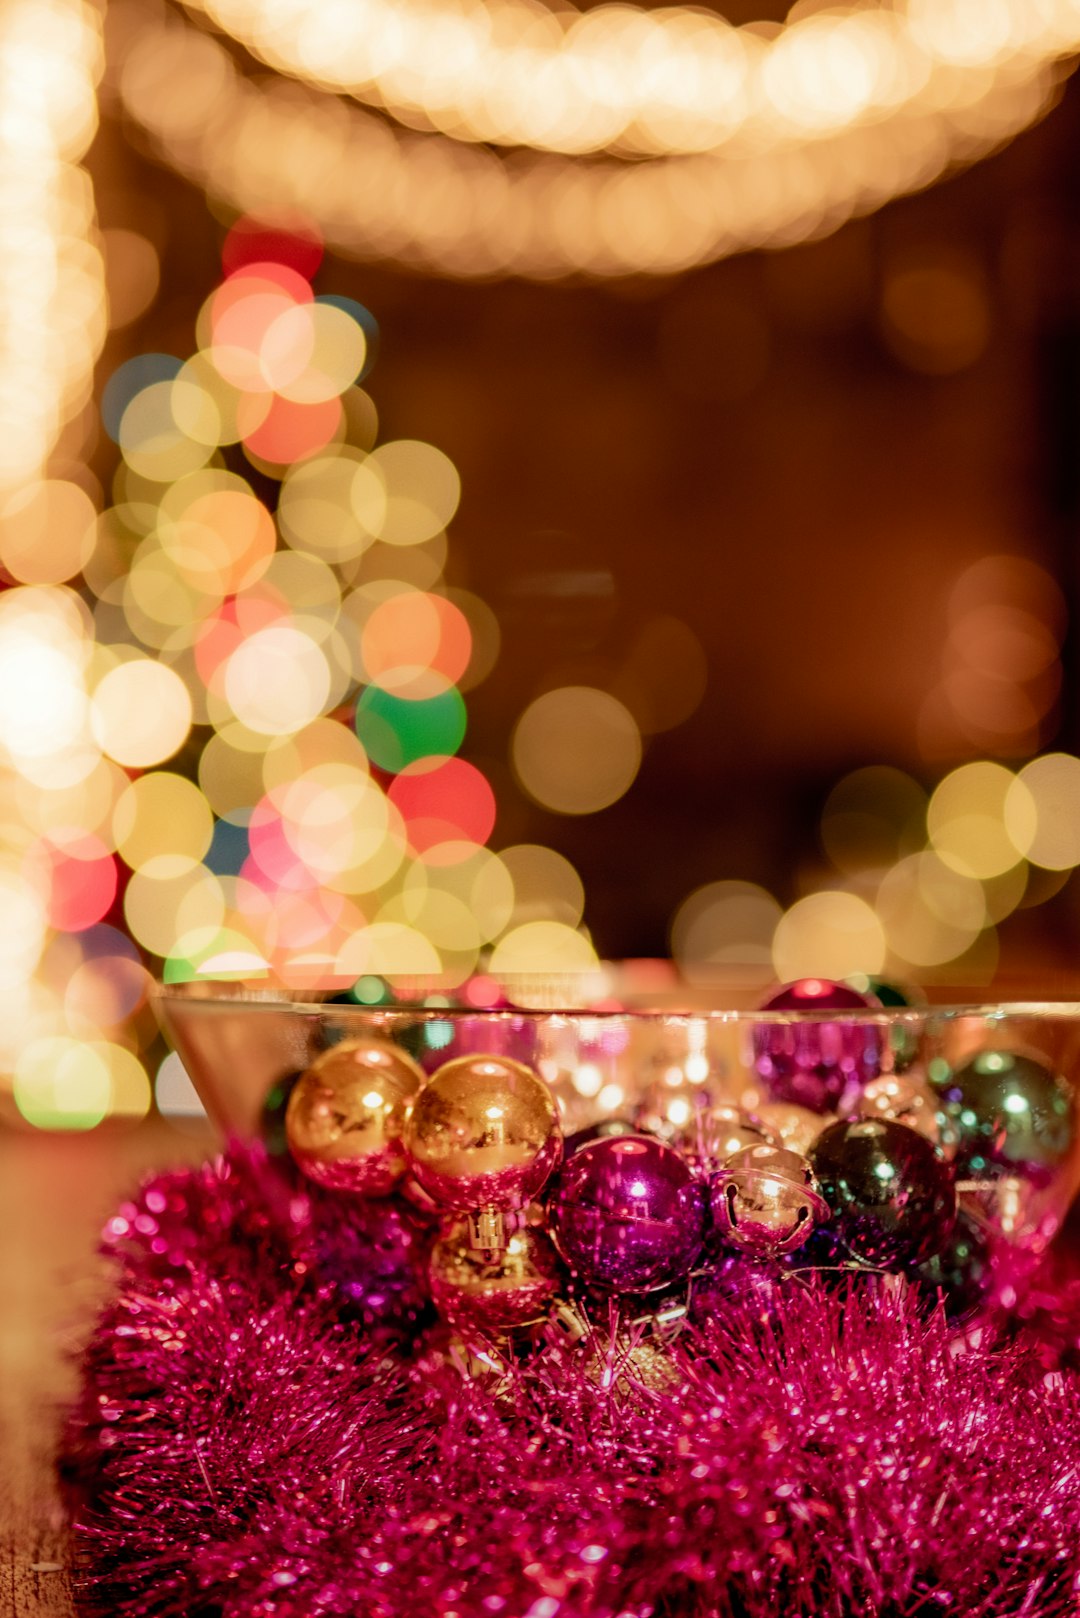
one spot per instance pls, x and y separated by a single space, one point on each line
273 1426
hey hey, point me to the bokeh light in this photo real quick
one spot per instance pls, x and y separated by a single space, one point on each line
726 925
576 750
829 934
1042 811
746 137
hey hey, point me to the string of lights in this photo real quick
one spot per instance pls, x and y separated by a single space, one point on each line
461 209
618 77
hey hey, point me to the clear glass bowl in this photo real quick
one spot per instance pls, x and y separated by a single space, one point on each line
995 1086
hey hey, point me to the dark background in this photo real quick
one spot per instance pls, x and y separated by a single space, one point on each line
761 449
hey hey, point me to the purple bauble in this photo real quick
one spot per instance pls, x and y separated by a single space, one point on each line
628 1214
892 1197
813 1061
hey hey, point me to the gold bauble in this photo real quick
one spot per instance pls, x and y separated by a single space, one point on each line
795 1127
493 1291
908 1099
483 1134
346 1116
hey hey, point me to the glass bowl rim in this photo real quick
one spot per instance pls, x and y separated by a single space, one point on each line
300 1001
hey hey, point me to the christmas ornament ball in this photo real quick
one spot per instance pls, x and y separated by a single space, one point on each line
764 1201
628 1214
892 1196
1012 1112
724 1130
483 1132
903 1097
345 1118
672 1107
492 1291
815 1060
792 1126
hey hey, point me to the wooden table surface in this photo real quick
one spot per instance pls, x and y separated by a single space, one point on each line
56 1192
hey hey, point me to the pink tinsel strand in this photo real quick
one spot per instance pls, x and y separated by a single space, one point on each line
273 1426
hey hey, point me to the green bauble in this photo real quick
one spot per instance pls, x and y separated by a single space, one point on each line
1013 1114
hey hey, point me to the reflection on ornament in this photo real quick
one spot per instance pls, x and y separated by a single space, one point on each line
493 1291
482 1138
346 1116
892 1196
1013 1114
765 1202
815 1060
628 1214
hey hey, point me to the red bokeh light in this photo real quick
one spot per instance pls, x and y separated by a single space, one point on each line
82 884
256 241
444 800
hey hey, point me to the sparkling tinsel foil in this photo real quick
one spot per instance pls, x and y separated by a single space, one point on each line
273 1425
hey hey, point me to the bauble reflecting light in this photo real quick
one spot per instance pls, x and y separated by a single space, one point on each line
345 1119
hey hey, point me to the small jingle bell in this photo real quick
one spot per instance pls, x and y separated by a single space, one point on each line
765 1201
345 1118
493 1291
482 1138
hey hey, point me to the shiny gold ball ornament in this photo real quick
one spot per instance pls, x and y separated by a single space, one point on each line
346 1116
907 1099
724 1130
493 1291
482 1138
796 1127
765 1201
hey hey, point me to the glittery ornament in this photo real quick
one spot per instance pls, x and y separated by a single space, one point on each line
892 1197
814 1061
793 1126
346 1116
765 1202
904 1097
628 1214
1013 1114
482 1138
493 1291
